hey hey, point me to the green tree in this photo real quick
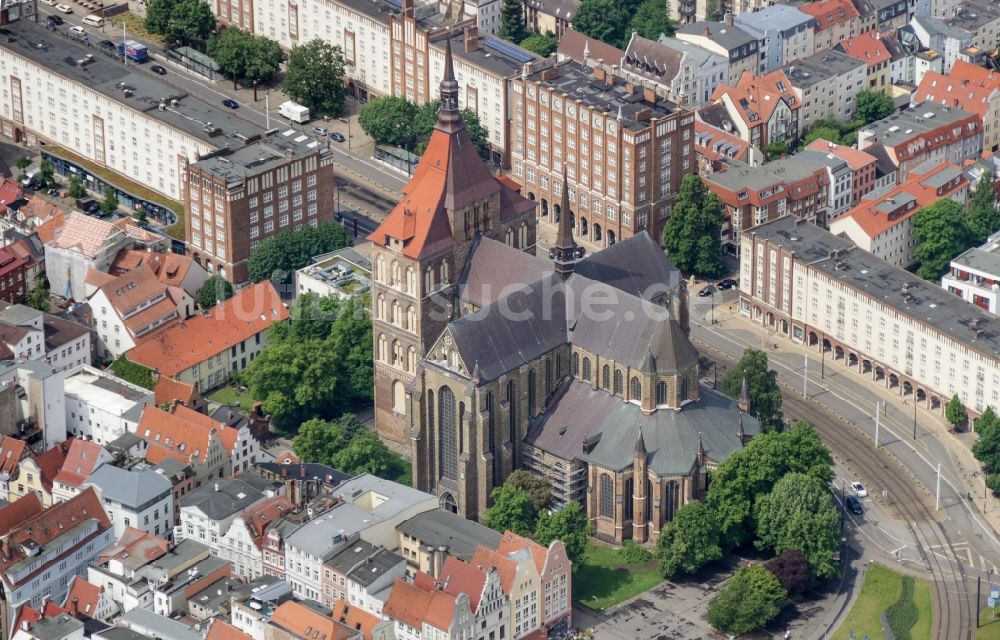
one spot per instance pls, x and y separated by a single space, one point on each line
872 105
775 149
511 511
538 488
426 117
750 473
826 133
692 233
651 20
389 120
76 188
278 257
984 215
264 62
190 21
347 445
140 215
752 598
954 412
799 513
215 290
605 20
791 570
941 232
314 78
689 541
512 21
986 449
110 203
570 525
38 298
46 174
158 14
366 453
762 383
23 163
541 44
244 57
137 374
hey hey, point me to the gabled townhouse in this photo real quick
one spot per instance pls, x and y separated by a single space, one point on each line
716 149
840 181
168 391
84 456
295 621
208 348
555 572
883 224
220 630
138 499
125 570
171 269
521 584
241 445
763 110
21 342
26 214
425 614
173 596
862 166
680 71
65 344
35 475
12 451
169 435
869 48
827 84
970 88
101 406
242 544
31 249
87 600
836 20
255 420
486 595
208 511
13 275
886 15
727 39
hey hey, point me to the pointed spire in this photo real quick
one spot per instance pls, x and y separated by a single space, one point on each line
744 401
449 118
619 113
740 433
564 252
701 450
586 49
640 446
476 375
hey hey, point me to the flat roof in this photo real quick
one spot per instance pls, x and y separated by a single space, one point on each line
727 36
902 126
820 66
442 528
497 56
110 394
985 258
143 620
923 301
262 155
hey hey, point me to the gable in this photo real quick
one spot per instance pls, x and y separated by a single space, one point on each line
445 352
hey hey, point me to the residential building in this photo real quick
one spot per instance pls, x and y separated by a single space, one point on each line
169 435
62 540
101 406
83 457
148 624
421 614
242 543
220 630
172 269
886 15
24 213
555 574
579 47
487 14
827 84
970 88
304 481
486 594
206 349
869 48
938 35
716 149
623 173
251 613
168 391
763 110
979 18
839 179
344 273
679 71
836 20
235 200
883 222
295 621
41 420
786 34
927 132
32 250
520 582
142 500
974 275
862 166
13 276
255 424
65 345
124 569
543 16
154 139
208 511
241 445
427 539
36 474
728 40
85 600
902 332
12 451
362 574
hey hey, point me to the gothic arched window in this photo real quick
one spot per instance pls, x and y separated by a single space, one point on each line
586 369
661 392
531 393
606 377
447 434
619 384
635 389
607 496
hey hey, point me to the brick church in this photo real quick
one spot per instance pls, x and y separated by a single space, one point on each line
489 358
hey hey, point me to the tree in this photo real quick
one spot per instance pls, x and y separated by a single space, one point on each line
426 117
752 598
389 120
278 257
984 215
954 412
190 21
244 57
799 513
264 62
570 525
140 215
538 488
76 188
689 541
110 203
347 445
791 570
314 78
651 20
158 14
692 233
826 133
215 290
46 174
986 448
512 21
752 472
38 298
605 20
511 511
23 163
941 232
762 383
775 149
543 45
872 105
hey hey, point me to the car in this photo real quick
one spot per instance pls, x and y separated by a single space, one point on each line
229 103
728 283
707 291
859 489
51 3
158 70
53 192
320 131
106 44
56 20
78 32
92 208
64 8
336 135
854 505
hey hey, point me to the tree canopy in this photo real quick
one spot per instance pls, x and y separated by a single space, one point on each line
398 122
347 445
189 21
791 570
215 290
511 510
244 57
569 524
984 215
749 600
689 541
512 21
651 20
872 105
38 297
75 187
606 20
954 411
110 203
692 233
278 257
135 373
941 232
986 449
314 78
538 488
541 44
158 14
762 382
799 513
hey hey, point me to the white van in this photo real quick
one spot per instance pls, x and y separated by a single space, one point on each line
78 32
94 20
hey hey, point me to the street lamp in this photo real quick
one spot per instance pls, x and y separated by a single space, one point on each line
914 417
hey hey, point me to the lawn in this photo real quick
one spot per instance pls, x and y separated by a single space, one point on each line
880 591
228 395
604 580
990 629
135 25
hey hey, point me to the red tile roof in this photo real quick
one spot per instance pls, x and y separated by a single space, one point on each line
829 13
354 618
511 543
16 513
412 605
259 516
22 249
303 622
51 461
169 268
966 86
192 341
228 435
11 452
135 548
287 458
167 390
506 568
224 631
756 97
854 158
82 598
10 261
81 460
715 144
461 577
867 47
40 209
173 435
10 191
47 230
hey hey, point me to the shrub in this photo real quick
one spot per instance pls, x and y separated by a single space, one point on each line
903 614
632 553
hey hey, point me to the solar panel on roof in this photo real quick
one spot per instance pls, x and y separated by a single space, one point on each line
508 49
398 3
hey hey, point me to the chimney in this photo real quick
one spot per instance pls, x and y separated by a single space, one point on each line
629 88
730 19
956 102
471 39
609 78
599 73
649 96
707 32
302 470
439 555
231 414
176 404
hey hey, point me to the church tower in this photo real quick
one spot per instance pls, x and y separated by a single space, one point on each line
420 250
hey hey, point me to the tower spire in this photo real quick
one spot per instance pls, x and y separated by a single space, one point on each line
565 252
449 118
640 446
744 401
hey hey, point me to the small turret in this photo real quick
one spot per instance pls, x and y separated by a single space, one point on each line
701 451
744 401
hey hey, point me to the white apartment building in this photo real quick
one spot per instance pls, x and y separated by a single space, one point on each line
974 276
874 318
102 406
242 544
827 85
141 500
839 177
38 397
208 511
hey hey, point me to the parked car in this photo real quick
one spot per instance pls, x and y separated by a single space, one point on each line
320 131
854 505
50 3
727 284
56 20
859 489
53 192
707 291
106 44
158 70
78 32
230 103
64 8
337 136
